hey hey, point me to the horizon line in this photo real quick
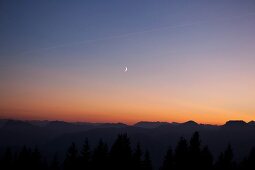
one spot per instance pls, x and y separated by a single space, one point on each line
119 122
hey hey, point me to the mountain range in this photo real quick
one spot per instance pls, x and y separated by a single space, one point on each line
55 136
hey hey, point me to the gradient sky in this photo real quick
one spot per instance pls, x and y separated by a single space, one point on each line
187 60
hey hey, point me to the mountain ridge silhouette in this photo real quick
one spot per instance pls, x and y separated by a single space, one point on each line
56 136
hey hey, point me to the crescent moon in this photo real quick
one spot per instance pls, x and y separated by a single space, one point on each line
126 69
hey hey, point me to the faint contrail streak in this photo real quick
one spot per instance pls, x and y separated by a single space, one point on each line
138 32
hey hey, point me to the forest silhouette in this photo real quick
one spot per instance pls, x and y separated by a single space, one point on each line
121 156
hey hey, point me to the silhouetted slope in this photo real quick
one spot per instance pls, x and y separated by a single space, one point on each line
150 124
57 136
122 154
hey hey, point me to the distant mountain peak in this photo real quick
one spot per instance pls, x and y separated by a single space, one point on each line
190 123
235 123
251 122
17 124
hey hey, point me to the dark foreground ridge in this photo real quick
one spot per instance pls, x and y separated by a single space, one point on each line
186 155
157 145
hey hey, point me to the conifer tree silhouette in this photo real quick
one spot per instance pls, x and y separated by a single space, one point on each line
146 164
100 157
225 161
71 161
249 162
251 159
206 159
6 162
121 153
137 158
36 160
24 158
194 155
181 155
168 160
85 156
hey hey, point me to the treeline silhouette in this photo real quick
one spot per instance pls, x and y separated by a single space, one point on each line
187 155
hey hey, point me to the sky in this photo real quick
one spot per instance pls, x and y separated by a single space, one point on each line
186 60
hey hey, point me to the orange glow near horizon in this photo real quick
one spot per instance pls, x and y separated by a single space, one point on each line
216 119
127 100
118 108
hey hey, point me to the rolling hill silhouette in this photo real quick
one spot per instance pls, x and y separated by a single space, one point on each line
56 136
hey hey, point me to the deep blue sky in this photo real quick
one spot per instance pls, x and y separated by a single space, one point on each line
181 55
